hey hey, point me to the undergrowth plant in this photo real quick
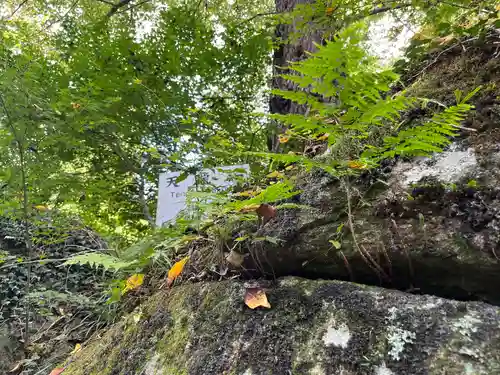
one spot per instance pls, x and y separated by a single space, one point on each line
209 218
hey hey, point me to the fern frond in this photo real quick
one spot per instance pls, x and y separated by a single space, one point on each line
99 259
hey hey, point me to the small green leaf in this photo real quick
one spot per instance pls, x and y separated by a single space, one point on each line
336 244
181 177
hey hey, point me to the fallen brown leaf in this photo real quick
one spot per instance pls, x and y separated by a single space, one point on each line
266 212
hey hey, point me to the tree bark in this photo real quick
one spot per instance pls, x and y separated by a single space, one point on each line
288 51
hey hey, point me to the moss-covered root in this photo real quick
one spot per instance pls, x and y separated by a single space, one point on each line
313 327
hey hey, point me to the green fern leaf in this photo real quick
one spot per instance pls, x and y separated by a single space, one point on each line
99 259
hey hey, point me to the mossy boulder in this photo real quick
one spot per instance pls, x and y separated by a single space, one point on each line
313 327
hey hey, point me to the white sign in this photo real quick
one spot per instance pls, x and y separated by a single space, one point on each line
172 194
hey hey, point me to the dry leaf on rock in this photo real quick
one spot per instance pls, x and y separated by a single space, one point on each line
256 297
266 211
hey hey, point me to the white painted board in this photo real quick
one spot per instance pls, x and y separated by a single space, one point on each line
172 194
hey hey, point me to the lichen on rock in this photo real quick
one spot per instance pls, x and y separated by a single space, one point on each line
337 327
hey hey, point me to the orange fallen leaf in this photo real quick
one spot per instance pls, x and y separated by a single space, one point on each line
356 164
176 270
256 297
133 282
57 371
329 11
283 138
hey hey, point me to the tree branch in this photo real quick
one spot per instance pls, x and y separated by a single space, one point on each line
132 7
117 6
388 8
17 9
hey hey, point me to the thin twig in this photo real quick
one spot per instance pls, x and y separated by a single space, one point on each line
17 9
132 7
117 6
258 15
72 6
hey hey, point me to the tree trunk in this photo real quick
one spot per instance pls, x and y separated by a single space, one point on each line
287 52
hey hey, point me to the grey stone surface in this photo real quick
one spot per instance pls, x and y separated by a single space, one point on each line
313 327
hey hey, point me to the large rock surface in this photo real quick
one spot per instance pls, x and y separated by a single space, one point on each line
313 327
